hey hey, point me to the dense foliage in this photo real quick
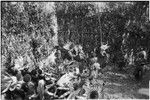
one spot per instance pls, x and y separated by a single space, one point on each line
53 46
123 25
33 26
28 27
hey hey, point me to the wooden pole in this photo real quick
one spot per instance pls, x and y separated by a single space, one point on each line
100 25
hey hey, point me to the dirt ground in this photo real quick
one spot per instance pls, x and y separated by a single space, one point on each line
120 86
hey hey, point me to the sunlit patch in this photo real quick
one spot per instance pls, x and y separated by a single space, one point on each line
67 46
120 75
116 84
19 62
13 3
50 60
115 96
144 91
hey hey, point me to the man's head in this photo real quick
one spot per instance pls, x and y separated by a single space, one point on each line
27 78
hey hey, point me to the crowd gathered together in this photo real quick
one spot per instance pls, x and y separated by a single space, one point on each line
67 69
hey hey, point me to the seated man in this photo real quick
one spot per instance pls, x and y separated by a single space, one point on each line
61 88
66 81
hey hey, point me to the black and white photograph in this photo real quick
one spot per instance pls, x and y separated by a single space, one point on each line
69 50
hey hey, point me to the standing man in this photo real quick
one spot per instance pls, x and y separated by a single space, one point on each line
95 68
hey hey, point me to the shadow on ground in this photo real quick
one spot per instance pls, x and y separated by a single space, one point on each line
119 84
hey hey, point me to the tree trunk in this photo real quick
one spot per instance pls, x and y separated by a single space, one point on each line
50 9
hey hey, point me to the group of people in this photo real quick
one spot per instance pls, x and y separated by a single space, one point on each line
21 84
36 84
72 68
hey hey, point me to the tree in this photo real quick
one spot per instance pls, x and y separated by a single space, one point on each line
78 22
26 22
